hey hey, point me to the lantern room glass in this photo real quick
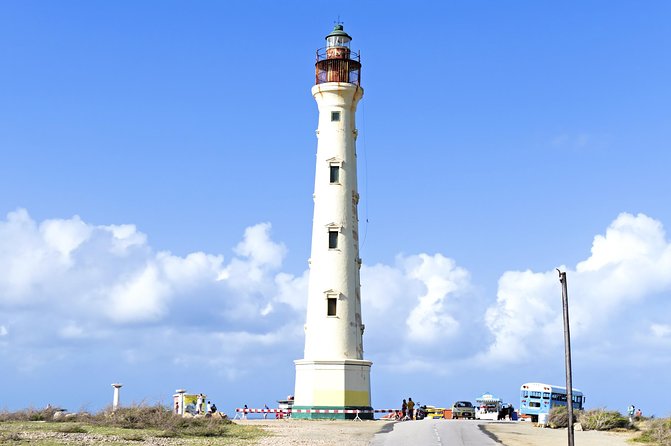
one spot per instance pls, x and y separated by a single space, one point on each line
338 41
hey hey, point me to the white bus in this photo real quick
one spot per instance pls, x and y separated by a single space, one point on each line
538 398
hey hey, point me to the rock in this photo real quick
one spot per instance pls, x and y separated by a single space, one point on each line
59 415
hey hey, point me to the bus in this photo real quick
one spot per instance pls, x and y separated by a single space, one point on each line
538 398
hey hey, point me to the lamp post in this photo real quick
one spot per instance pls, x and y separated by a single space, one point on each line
567 354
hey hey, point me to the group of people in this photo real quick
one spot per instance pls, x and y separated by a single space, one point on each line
200 408
634 413
210 408
408 410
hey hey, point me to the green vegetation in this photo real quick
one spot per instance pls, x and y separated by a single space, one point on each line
125 426
28 415
558 417
602 420
655 432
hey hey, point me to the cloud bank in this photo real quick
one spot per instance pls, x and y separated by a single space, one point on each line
72 287
623 289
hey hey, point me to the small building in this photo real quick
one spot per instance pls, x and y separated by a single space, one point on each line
487 407
183 403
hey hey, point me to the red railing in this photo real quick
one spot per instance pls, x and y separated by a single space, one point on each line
338 65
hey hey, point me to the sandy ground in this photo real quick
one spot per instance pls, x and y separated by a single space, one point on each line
354 433
324 433
527 434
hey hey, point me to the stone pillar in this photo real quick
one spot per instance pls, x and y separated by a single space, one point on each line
179 394
115 401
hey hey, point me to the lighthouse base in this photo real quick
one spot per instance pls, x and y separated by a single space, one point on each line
333 389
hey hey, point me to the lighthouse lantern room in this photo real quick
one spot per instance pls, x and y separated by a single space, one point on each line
336 62
333 377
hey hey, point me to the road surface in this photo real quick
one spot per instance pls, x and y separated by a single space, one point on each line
434 433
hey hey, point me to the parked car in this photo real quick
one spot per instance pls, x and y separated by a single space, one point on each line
434 412
463 409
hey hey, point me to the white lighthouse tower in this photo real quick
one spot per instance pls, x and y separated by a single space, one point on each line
333 373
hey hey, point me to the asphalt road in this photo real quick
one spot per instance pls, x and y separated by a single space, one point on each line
434 433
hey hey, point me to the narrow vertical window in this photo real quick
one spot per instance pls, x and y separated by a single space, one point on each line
333 239
331 306
335 116
334 175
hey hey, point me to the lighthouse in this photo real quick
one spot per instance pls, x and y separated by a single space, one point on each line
333 374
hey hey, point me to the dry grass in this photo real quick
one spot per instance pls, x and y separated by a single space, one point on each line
140 423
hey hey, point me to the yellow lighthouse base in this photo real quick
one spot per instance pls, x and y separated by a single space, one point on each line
333 389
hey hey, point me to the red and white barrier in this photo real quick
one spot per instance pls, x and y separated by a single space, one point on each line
244 411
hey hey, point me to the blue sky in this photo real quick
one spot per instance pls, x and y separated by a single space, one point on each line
156 176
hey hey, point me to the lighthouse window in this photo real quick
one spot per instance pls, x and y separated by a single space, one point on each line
334 176
335 116
333 239
331 306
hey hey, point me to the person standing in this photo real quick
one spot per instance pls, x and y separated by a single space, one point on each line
411 409
404 410
630 410
199 404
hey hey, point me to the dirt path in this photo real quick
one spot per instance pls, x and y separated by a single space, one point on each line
323 433
527 434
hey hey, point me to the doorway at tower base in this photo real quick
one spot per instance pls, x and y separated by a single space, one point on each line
332 385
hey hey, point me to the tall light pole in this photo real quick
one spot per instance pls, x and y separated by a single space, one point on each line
567 354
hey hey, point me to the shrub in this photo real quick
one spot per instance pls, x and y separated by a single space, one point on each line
157 417
657 431
72 429
161 418
29 415
558 417
133 437
198 427
602 420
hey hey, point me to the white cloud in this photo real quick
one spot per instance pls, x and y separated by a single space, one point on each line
64 236
139 298
124 237
70 267
629 264
441 278
73 285
423 308
292 290
72 331
658 330
259 248
77 284
29 256
190 270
